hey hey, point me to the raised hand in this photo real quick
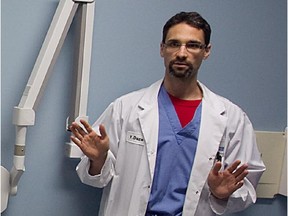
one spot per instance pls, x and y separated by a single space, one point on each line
223 183
94 146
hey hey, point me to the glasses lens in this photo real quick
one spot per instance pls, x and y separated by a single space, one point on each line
173 46
193 46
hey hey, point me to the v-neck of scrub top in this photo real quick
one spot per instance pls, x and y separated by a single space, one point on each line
180 132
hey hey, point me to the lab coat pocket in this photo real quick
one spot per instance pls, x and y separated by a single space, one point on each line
129 154
134 148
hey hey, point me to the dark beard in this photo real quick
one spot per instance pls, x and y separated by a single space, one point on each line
183 74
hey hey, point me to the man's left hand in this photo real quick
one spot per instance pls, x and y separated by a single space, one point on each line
223 183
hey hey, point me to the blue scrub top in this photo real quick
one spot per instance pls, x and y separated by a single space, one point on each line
175 156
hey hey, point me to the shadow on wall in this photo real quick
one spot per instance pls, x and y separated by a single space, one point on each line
88 197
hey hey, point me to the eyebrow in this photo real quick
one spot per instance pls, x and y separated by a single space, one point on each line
190 41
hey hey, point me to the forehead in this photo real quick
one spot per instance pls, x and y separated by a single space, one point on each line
184 32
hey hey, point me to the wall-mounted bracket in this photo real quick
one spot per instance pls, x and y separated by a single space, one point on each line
24 113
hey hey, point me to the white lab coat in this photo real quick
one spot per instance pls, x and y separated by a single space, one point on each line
132 124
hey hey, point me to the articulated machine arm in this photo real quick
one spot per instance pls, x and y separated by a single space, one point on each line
24 113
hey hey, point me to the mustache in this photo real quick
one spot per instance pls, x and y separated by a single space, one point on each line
180 61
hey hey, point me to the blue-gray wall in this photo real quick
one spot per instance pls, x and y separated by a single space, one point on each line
247 65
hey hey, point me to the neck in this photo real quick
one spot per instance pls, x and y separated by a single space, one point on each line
183 88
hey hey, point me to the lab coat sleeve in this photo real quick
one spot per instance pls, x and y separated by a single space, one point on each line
241 145
110 119
100 180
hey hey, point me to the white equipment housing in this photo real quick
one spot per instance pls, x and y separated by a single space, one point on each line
24 113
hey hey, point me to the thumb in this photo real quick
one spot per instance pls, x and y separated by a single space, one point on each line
102 131
216 168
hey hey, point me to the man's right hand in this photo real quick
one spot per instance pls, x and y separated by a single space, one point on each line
94 146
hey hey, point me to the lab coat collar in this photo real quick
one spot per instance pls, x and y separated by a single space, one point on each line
212 100
150 97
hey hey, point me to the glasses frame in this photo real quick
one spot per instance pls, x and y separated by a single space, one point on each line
174 46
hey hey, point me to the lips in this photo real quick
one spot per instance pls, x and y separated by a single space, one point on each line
180 64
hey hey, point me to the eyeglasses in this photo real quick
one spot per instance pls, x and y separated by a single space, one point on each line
192 47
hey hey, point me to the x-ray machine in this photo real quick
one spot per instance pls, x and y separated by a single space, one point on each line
24 113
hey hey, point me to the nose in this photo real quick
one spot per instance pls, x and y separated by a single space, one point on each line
182 52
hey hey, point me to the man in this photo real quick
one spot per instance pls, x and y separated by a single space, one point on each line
174 148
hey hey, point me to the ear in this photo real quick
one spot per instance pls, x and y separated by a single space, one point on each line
207 51
161 50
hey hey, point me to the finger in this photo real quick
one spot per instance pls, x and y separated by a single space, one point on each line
242 175
79 129
73 128
102 131
239 185
240 170
216 168
86 125
234 166
76 141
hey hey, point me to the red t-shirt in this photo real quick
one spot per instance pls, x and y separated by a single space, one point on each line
185 109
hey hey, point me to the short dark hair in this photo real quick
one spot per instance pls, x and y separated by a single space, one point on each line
193 19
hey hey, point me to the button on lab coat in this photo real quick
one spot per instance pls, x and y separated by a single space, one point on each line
132 123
